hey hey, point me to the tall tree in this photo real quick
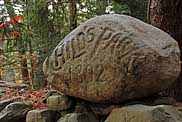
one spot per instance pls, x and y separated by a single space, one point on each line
167 15
72 5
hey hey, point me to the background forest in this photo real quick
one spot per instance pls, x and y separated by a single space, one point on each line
30 29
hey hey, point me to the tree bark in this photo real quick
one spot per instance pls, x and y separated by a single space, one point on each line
167 15
72 13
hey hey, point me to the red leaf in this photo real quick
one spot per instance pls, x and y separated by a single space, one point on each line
12 21
15 33
18 18
3 24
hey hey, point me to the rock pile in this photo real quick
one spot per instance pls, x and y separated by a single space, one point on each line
84 111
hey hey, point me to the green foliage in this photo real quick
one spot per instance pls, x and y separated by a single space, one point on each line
46 23
121 8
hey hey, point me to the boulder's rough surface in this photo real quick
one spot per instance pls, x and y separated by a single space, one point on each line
113 58
15 112
41 116
143 113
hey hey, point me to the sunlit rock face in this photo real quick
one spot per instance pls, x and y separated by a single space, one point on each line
113 58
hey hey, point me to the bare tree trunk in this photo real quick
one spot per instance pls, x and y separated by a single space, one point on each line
167 15
72 13
23 60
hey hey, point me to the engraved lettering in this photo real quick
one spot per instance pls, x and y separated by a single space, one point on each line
79 73
56 64
107 33
118 50
114 38
90 34
67 73
81 39
98 40
80 45
105 37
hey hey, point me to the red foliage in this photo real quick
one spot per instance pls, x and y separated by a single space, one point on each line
15 33
5 23
12 21
18 18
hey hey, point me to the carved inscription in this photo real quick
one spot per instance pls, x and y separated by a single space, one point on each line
79 73
83 73
90 34
98 35
89 70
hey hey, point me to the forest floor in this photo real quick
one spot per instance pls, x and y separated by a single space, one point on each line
35 96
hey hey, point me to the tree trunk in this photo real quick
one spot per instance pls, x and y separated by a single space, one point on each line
23 60
167 15
72 13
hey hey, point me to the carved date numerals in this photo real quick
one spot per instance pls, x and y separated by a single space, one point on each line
98 72
84 73
89 71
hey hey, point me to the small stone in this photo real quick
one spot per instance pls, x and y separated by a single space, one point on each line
59 102
15 112
4 103
2 90
51 93
16 85
1 81
41 116
78 117
144 113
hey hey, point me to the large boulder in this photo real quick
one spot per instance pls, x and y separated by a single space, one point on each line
143 113
113 58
